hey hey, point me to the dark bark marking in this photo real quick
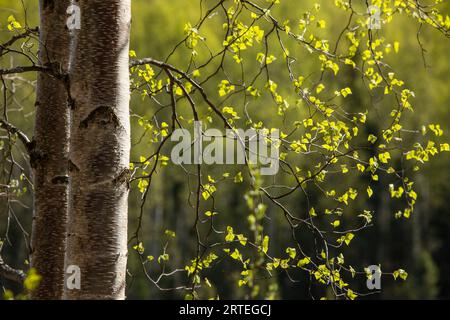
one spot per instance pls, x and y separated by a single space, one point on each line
102 116
123 177
49 4
61 180
36 156
73 167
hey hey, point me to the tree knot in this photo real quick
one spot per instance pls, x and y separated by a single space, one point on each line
102 116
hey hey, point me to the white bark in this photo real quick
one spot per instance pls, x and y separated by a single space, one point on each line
99 152
49 155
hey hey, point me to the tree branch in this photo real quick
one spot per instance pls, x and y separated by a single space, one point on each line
27 69
144 61
15 38
169 67
20 134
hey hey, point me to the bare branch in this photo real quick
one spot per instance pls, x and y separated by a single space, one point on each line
26 69
10 273
17 37
20 134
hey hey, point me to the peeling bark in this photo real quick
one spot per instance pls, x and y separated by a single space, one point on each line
49 153
100 147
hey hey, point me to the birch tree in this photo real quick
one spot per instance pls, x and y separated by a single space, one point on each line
49 154
99 152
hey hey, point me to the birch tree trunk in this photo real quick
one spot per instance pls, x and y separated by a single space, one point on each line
49 158
99 152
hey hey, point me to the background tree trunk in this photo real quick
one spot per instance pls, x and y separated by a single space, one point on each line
49 158
100 147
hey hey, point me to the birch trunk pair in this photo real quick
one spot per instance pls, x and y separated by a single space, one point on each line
81 150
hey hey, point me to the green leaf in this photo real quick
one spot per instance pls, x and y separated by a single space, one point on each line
400 273
235 255
32 280
238 177
8 295
139 248
265 244
303 262
347 238
230 235
346 91
163 257
170 233
225 88
445 147
210 214
351 295
384 157
336 223
242 239
13 24
369 191
291 252
372 138
353 271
